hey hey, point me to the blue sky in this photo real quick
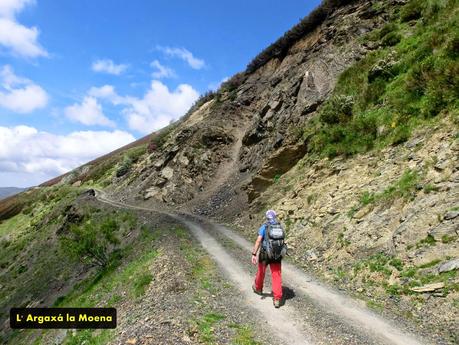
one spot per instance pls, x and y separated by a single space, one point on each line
81 78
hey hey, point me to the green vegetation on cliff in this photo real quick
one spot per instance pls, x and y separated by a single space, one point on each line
411 78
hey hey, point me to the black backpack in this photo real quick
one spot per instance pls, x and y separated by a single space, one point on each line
273 241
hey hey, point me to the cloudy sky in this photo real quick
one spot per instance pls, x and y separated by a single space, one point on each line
81 78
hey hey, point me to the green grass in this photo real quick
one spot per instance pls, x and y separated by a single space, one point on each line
429 188
340 274
132 277
412 79
405 188
206 325
375 305
429 240
311 198
141 282
29 256
88 337
111 285
244 335
448 239
276 178
411 276
202 267
342 241
430 264
15 225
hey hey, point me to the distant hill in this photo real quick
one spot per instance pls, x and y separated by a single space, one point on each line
7 191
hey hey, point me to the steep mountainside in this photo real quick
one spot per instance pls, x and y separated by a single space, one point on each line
348 126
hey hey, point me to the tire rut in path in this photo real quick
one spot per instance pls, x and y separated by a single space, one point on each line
283 321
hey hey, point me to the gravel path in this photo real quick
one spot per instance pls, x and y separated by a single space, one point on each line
314 314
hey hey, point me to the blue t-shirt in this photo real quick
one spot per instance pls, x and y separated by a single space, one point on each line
262 230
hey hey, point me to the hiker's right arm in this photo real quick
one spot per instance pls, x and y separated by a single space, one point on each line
255 249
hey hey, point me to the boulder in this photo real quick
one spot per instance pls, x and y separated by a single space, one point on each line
152 192
445 229
449 266
310 255
215 136
159 163
429 287
362 212
451 215
167 173
183 160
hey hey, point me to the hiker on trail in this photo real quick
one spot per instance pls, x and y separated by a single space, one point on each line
271 240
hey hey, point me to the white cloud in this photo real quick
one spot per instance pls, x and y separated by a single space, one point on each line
89 113
156 109
19 39
20 94
108 66
8 8
28 156
106 92
183 54
162 71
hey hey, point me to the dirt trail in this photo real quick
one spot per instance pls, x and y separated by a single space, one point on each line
328 317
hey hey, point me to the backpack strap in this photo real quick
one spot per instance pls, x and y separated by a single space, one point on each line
267 226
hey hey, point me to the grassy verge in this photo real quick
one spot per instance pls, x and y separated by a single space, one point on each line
374 273
244 335
35 264
202 266
126 279
29 256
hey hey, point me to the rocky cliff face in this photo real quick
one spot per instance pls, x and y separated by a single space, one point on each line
246 135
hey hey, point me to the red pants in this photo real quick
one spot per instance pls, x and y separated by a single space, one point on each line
276 278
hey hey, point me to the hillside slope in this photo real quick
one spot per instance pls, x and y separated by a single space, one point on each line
348 126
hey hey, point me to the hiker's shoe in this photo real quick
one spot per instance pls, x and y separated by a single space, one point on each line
258 292
276 303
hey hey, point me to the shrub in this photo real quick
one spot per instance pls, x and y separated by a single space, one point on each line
411 11
124 167
154 144
279 48
391 39
158 139
337 110
135 153
203 99
92 243
400 134
429 240
234 82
